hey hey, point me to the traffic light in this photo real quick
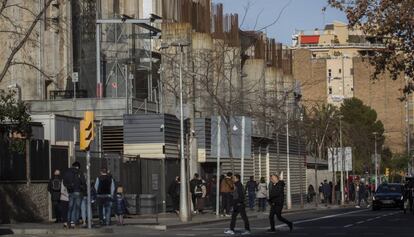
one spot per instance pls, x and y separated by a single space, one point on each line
387 172
86 131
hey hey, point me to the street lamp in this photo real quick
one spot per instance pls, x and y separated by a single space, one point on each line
376 161
184 215
288 188
342 161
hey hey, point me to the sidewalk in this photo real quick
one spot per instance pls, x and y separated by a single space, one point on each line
165 221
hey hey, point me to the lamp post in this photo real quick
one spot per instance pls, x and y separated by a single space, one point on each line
376 161
288 187
342 161
184 213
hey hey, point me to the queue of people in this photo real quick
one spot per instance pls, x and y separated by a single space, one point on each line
70 203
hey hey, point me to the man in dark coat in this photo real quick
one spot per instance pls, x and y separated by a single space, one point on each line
174 192
54 188
75 183
276 200
194 182
105 188
239 207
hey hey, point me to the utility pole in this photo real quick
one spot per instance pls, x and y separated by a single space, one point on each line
376 161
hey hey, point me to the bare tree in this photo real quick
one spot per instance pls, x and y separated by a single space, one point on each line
21 32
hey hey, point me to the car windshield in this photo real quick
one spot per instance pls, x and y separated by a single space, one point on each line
389 189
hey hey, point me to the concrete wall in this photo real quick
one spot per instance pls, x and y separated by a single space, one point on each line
20 202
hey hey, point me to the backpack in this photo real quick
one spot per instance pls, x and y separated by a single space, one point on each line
198 190
56 185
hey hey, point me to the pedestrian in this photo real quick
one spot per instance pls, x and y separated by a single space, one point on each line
321 196
338 192
84 204
238 207
105 188
362 194
212 192
54 188
311 193
262 194
251 187
174 192
201 196
64 205
121 205
227 189
276 200
75 183
332 190
193 183
326 190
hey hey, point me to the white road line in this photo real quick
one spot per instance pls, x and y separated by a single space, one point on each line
371 219
360 222
350 225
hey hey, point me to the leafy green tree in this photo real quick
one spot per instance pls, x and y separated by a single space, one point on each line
14 116
360 122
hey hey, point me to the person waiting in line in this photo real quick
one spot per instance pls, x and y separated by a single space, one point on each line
121 205
193 183
84 204
276 200
75 184
174 192
64 204
54 188
105 188
251 187
227 189
212 192
262 194
238 207
201 193
311 193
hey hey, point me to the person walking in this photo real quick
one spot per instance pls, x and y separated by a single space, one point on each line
238 207
201 193
54 188
193 184
227 188
105 188
362 195
64 204
262 194
276 200
251 187
75 183
174 192
121 205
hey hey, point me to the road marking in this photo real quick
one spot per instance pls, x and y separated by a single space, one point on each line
185 234
371 219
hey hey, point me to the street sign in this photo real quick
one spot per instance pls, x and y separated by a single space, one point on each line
75 77
186 111
335 153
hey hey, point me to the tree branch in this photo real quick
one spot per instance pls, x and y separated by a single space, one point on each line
23 41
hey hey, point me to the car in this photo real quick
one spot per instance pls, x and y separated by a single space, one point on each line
388 195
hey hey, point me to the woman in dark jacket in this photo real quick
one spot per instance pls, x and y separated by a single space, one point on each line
174 192
54 187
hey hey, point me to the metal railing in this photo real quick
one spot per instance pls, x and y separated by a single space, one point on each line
67 94
348 45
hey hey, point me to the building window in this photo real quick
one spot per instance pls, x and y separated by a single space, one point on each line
352 71
329 73
352 89
340 71
330 90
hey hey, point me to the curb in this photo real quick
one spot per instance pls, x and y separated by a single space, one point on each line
45 231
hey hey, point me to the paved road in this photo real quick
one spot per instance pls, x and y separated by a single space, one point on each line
332 222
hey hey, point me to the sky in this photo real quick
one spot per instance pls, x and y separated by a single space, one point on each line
297 15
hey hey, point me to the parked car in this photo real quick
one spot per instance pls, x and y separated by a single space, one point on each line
388 195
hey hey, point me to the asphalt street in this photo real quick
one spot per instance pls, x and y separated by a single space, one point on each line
331 222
